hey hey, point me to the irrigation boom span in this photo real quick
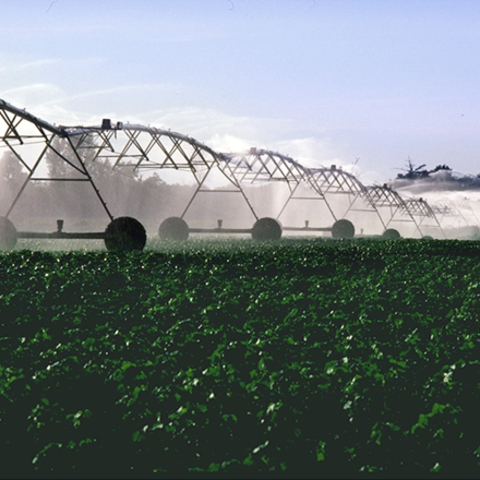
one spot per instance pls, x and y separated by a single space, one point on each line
31 140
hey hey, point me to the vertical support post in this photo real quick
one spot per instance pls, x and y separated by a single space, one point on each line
90 179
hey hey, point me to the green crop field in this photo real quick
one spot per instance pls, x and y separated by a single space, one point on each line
298 358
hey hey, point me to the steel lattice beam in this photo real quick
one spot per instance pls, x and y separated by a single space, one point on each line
460 209
265 165
30 140
335 180
145 148
385 197
261 165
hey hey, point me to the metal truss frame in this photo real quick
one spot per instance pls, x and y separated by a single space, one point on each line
445 209
336 181
385 197
260 165
265 165
30 139
140 147
420 208
133 146
459 205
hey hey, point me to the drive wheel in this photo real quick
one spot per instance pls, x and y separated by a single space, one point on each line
173 228
266 229
125 234
343 229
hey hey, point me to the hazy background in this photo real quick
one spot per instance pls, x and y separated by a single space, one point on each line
365 82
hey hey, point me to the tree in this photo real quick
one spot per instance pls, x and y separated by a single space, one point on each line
12 172
413 173
58 157
12 177
440 167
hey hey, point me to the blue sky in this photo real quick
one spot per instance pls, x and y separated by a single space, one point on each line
370 82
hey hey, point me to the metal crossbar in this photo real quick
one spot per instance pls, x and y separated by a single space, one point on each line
417 210
30 140
263 165
145 148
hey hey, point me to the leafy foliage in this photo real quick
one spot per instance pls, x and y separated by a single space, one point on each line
299 357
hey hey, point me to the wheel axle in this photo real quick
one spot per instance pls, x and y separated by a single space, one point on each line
123 233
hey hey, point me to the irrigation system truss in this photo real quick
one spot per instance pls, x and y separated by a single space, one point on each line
445 209
399 209
260 165
336 181
138 147
263 165
30 140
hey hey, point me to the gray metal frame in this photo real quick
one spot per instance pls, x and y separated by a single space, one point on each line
403 210
21 132
140 147
261 165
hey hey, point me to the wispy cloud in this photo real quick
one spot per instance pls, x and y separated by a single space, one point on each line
32 95
119 102
222 131
13 67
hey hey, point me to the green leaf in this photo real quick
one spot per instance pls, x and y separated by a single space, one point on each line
320 451
214 467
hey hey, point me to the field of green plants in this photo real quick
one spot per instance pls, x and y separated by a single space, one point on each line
299 358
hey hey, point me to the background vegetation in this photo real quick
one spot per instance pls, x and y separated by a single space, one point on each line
144 196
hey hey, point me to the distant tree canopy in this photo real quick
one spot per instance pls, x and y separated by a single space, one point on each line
125 191
440 167
415 173
11 169
57 190
12 176
448 182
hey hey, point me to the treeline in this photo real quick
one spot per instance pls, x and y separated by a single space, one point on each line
441 177
125 193
416 173
64 193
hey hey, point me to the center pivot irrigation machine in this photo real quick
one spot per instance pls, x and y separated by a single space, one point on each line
32 141
417 211
306 184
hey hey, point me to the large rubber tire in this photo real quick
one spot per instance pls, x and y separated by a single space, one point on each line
8 234
266 229
173 228
125 234
343 229
391 234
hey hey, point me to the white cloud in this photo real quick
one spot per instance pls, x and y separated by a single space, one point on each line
29 96
217 129
205 123
310 151
227 143
15 67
